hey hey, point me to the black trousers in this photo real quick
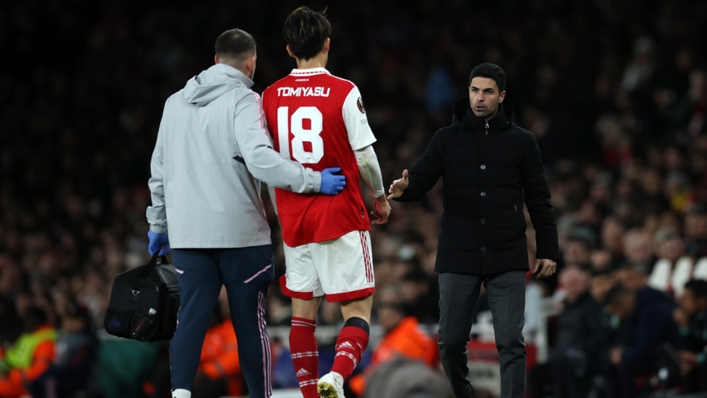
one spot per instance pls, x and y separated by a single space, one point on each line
459 297
246 273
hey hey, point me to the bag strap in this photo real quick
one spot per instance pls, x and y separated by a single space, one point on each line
152 264
163 259
155 257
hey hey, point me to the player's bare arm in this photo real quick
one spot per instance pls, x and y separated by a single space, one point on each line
370 172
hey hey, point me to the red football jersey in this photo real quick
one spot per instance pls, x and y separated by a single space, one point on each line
318 120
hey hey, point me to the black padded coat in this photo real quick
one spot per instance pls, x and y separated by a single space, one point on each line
489 168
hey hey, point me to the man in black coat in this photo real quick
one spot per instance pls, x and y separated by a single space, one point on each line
490 167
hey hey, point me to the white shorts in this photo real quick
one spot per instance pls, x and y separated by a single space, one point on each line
340 269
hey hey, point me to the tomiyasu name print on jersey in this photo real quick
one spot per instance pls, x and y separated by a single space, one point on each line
303 91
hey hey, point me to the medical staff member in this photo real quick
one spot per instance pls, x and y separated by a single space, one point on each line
212 151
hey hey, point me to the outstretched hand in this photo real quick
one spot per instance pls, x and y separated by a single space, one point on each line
399 186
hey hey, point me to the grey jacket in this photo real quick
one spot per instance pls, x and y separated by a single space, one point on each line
212 151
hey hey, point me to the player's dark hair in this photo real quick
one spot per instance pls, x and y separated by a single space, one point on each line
305 32
235 45
490 71
698 287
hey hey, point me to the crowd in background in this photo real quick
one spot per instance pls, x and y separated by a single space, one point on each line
614 92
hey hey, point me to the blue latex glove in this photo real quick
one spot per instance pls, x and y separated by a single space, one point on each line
332 183
158 241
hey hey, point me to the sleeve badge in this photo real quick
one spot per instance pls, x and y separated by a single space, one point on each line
359 103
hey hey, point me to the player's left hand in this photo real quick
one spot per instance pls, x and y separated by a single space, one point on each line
381 210
547 267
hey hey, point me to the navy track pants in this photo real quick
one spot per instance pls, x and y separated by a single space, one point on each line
246 273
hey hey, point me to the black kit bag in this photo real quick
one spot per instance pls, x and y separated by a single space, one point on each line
144 302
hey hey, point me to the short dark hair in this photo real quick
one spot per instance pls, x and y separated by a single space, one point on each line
698 287
235 45
305 32
491 71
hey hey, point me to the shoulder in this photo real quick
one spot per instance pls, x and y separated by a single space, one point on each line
525 137
446 133
340 80
345 86
175 98
247 96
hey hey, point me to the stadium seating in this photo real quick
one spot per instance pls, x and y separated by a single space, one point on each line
671 278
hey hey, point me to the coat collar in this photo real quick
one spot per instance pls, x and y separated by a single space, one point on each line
465 118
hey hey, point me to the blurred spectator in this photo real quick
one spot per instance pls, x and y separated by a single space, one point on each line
402 339
669 244
575 358
125 365
617 100
577 251
535 326
649 321
691 317
30 356
641 68
691 112
420 296
696 230
601 282
10 323
611 235
638 251
602 260
219 373
219 369
407 378
76 357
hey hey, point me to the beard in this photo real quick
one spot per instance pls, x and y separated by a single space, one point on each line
485 112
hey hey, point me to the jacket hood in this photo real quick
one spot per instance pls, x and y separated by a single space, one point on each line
465 118
213 83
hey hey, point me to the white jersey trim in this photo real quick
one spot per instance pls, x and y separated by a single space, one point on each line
354 114
309 72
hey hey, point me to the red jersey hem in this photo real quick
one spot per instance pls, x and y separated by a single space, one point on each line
320 239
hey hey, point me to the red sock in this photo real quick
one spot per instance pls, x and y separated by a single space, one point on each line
350 344
305 355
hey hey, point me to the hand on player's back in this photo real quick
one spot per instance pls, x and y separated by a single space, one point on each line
398 186
381 210
332 183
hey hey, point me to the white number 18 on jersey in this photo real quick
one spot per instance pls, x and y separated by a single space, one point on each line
295 125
